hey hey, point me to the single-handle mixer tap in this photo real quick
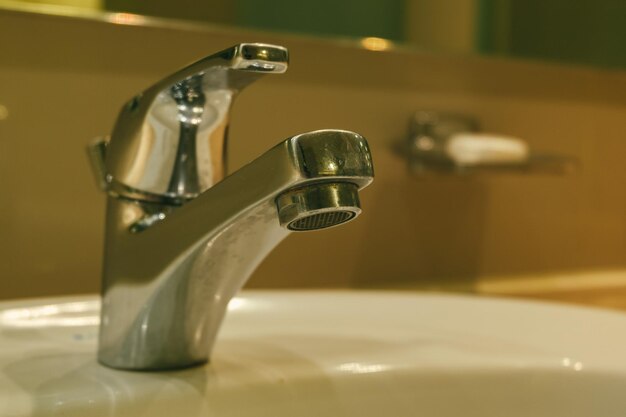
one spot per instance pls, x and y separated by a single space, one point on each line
182 237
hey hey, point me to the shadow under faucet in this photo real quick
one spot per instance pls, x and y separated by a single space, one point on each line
181 239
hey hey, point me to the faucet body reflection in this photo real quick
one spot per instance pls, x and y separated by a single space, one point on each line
181 238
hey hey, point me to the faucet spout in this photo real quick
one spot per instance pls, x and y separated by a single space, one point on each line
177 253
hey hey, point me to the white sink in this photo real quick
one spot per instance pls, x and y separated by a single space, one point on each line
329 353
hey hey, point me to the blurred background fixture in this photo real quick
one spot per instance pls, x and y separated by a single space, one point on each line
589 32
448 143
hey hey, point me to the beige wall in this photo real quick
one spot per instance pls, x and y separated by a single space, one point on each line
63 80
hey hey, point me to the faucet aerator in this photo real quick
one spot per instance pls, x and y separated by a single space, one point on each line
318 206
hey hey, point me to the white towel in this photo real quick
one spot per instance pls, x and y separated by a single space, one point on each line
470 149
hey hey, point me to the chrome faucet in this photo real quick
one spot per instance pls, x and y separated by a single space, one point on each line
181 238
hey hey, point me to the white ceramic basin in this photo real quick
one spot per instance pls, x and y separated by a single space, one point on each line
331 354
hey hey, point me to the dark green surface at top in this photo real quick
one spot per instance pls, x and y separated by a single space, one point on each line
588 32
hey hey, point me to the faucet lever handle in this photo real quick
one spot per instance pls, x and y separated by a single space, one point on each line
169 142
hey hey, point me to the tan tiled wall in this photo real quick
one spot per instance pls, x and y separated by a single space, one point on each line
63 81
